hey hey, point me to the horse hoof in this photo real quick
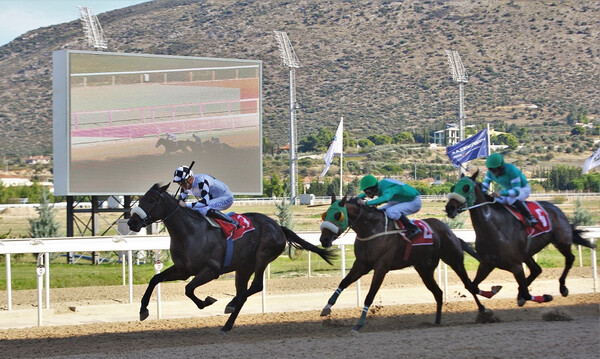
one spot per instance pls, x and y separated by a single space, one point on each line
326 311
547 298
486 316
223 331
521 301
144 314
209 300
564 291
229 310
355 330
496 289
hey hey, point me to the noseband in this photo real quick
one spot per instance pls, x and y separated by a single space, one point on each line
146 218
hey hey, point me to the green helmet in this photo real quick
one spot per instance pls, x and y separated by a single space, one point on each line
495 160
368 181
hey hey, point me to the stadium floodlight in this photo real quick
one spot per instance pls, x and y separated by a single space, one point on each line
91 27
289 59
459 75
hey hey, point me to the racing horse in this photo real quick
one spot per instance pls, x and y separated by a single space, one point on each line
502 242
172 145
198 249
380 247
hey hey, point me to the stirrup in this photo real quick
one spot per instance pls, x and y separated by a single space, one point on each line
412 234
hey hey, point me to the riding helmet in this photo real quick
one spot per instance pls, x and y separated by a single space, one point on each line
495 160
368 181
182 173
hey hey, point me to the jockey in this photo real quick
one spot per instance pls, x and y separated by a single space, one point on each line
515 188
213 195
400 200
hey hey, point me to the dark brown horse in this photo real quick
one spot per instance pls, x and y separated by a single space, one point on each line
502 242
199 249
381 248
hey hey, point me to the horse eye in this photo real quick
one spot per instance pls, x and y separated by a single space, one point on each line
452 188
323 216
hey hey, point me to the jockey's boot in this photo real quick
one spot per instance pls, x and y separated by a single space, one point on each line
411 228
213 213
529 218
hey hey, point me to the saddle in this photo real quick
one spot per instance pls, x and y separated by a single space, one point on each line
230 230
539 213
425 238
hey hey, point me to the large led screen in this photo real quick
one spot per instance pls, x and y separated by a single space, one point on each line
123 122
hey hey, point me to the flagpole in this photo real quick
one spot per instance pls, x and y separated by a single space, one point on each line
341 158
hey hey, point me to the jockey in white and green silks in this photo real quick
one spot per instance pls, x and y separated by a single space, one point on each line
515 187
400 200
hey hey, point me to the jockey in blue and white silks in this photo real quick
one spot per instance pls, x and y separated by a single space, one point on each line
213 195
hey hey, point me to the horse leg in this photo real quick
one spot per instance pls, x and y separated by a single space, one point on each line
169 274
460 270
426 272
378 276
241 285
569 259
534 269
483 270
241 281
524 294
203 277
357 271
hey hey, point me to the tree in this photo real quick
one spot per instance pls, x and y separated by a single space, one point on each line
285 214
581 216
45 225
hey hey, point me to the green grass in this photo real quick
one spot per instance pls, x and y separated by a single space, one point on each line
83 274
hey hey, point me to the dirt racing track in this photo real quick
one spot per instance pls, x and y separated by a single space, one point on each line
399 324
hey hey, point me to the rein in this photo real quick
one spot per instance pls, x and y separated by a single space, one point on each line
379 234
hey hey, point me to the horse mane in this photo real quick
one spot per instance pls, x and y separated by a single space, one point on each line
370 209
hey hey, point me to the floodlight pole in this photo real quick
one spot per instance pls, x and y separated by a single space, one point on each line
289 59
92 29
459 75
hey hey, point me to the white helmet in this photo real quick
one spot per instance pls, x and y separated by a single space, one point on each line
182 173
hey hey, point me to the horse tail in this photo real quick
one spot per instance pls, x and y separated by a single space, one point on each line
468 248
578 239
299 243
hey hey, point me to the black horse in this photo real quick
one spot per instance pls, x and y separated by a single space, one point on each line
172 146
381 248
198 249
502 241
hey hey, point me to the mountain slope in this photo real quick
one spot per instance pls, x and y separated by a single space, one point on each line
380 64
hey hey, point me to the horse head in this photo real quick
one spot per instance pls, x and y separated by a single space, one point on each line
150 208
464 194
335 221
348 213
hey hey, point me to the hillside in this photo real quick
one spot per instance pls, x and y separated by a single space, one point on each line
380 64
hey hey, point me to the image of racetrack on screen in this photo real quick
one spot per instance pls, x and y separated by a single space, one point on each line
134 119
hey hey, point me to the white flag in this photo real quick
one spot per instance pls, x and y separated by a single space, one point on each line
336 146
592 161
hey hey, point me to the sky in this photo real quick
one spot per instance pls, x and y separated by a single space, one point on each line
20 16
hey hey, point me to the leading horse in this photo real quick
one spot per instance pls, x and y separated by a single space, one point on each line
198 249
381 248
502 241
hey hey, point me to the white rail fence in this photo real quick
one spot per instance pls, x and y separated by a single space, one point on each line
129 244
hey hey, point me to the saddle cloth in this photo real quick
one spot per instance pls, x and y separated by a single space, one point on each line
539 213
423 239
231 231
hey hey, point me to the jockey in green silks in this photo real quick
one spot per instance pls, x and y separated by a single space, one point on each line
400 200
515 188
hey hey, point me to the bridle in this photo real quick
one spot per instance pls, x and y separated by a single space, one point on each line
469 198
146 218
